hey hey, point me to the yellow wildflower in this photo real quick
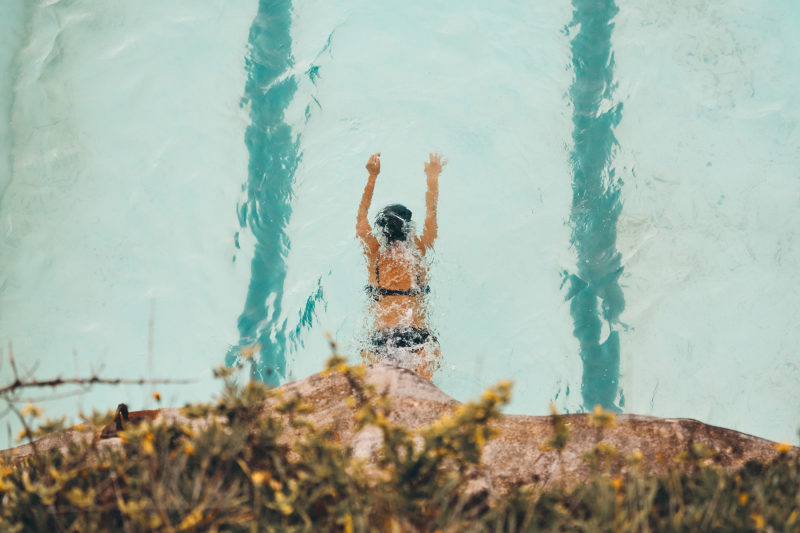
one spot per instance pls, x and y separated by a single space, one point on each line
79 498
132 507
283 505
55 474
478 437
192 519
33 410
147 444
783 447
601 418
758 519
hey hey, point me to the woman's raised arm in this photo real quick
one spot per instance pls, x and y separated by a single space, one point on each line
432 169
363 229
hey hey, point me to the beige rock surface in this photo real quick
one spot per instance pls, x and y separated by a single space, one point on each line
515 456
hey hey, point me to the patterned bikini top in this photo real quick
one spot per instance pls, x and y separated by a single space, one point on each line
377 292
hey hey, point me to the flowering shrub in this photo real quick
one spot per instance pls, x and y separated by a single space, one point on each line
240 472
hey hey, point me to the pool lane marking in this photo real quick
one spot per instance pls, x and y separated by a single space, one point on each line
274 156
594 293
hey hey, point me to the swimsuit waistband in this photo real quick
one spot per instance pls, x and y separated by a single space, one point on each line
379 292
407 337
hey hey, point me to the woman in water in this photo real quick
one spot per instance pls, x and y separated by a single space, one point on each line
398 276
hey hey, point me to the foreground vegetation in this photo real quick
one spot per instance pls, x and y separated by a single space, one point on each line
245 471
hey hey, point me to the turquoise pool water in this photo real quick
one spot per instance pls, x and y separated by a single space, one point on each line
617 220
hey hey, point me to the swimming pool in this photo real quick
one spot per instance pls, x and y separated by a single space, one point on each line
617 219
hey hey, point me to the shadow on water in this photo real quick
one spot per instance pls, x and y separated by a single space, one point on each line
593 290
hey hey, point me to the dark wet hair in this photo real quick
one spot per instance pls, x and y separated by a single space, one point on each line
394 222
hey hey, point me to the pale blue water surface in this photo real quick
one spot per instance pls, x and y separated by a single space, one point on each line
617 221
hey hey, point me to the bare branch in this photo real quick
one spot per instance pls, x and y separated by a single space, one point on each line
13 364
29 372
28 383
94 380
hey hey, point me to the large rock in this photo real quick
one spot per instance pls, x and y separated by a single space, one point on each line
517 455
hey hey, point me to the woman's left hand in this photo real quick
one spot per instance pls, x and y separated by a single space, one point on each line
374 164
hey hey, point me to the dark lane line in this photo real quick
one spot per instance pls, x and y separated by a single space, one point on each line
274 155
594 292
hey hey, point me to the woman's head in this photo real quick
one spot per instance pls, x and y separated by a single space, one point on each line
394 222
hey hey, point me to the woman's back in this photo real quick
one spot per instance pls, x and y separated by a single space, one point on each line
398 285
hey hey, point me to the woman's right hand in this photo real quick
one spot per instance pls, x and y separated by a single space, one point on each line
374 164
433 167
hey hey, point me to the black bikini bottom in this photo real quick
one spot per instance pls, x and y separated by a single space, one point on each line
387 339
379 292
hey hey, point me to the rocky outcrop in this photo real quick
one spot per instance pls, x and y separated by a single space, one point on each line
517 455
